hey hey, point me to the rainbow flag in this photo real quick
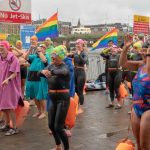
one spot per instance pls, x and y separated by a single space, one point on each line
103 41
48 29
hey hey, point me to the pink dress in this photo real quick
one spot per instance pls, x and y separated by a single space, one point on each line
11 93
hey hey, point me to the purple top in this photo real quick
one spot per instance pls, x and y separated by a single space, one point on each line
9 94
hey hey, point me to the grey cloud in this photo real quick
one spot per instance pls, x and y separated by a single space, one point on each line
91 11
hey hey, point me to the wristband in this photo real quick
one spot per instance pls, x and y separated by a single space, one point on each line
147 55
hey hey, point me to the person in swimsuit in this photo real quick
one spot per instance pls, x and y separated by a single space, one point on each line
140 115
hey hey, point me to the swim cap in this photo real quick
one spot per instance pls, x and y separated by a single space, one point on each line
60 51
34 38
80 41
138 46
5 44
19 42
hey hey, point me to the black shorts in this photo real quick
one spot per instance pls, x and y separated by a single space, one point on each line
23 71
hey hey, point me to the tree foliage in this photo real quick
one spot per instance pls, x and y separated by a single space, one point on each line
12 38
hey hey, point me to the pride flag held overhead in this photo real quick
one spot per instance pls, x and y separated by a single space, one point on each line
48 29
103 41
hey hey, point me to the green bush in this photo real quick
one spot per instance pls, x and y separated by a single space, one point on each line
12 38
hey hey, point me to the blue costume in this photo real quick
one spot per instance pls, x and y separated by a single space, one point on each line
68 62
36 87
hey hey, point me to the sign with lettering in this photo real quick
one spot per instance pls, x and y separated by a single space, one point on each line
15 11
26 31
141 24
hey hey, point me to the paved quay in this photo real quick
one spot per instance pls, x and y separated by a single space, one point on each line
97 128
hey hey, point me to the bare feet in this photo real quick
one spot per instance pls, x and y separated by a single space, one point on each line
58 147
50 132
80 111
32 103
118 106
110 106
36 115
42 116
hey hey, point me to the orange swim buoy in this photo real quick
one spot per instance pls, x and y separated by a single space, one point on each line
1 113
122 91
76 99
126 145
72 112
21 114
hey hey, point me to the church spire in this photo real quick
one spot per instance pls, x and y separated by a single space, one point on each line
79 23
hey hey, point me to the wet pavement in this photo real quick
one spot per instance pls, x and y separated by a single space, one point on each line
97 128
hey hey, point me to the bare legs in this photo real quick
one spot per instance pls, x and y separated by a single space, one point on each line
140 128
135 121
23 86
41 109
80 110
42 106
10 116
145 131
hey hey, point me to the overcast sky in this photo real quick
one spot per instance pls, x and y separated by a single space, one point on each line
91 11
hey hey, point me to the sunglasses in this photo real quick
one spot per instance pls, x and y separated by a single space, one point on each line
54 55
42 46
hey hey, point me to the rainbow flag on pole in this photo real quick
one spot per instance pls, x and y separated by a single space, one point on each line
103 41
48 29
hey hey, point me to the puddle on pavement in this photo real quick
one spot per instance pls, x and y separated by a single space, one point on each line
109 134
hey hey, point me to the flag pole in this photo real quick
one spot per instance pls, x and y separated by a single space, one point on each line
57 23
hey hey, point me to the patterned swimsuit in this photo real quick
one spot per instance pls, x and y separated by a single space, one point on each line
141 91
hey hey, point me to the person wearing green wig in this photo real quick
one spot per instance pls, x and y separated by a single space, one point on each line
58 77
60 51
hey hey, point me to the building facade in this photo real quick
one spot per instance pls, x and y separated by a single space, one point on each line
38 23
64 28
98 29
8 28
81 30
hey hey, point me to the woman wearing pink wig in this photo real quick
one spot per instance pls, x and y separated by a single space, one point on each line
80 60
10 87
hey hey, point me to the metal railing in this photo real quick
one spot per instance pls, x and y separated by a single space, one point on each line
96 66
